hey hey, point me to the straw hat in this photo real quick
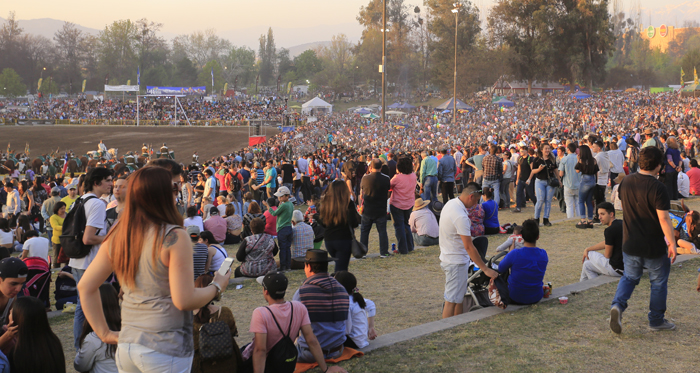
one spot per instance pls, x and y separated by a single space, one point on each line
419 204
648 131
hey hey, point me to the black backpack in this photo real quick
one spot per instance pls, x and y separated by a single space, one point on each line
282 357
74 229
234 183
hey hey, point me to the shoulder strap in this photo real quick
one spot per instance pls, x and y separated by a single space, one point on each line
223 252
291 317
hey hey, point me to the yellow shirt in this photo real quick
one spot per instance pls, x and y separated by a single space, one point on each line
68 201
57 225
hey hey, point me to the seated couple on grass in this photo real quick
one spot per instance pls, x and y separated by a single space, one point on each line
523 269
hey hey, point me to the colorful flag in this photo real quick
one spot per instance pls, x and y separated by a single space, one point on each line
695 73
225 87
39 86
138 75
212 80
682 76
128 82
84 81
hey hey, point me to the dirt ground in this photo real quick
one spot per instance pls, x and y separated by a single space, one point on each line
209 142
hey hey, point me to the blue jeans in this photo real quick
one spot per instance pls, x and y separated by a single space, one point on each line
496 185
544 197
79 317
520 191
659 269
402 229
341 250
366 226
585 196
430 188
284 238
136 358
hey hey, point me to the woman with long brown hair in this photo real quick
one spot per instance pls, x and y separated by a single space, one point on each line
152 257
338 215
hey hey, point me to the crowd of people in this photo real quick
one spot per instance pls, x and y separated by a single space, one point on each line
159 234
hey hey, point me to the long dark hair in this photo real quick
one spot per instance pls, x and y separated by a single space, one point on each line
586 160
4 225
38 349
150 204
201 282
349 282
113 315
23 222
334 210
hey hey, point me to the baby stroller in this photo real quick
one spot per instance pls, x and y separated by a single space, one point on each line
38 280
477 296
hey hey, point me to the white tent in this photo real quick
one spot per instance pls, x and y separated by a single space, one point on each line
317 105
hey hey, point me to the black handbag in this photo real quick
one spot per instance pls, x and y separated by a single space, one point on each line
358 249
552 181
215 341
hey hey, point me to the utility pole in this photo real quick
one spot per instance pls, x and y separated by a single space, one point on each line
454 93
384 64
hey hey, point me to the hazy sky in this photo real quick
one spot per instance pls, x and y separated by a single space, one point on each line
180 16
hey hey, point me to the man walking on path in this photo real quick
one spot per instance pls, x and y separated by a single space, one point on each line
645 224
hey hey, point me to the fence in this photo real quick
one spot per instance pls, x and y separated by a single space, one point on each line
132 122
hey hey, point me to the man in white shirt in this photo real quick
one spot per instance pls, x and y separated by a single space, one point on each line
457 249
12 204
35 246
97 182
683 185
601 157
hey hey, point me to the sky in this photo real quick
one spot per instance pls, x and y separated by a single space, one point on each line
184 16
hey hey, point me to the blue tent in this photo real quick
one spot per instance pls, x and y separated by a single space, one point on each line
287 129
449 105
580 95
406 105
395 105
362 111
505 103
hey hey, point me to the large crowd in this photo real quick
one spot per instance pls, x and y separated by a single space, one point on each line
155 238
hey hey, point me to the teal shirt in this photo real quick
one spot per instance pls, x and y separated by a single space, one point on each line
428 168
272 173
283 214
478 160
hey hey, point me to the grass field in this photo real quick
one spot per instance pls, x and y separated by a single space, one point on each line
548 337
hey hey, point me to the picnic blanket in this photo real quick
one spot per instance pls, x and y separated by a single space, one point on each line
348 353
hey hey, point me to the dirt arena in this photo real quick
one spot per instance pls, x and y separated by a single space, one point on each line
209 142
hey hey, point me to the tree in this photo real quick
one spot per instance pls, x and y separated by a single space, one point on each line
11 84
185 74
527 29
200 47
268 58
284 62
240 64
204 77
39 53
153 49
336 59
118 51
307 64
68 42
13 53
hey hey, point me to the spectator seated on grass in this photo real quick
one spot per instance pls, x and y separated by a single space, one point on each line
424 225
525 268
514 241
490 207
689 242
610 262
302 238
216 225
360 324
256 252
193 219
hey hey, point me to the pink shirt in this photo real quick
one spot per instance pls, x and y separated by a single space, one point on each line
217 226
403 191
270 222
694 176
262 322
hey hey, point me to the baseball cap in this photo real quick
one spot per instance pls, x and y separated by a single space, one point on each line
13 268
55 190
72 186
275 283
193 231
213 210
283 191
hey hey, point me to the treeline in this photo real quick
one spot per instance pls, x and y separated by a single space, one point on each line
546 40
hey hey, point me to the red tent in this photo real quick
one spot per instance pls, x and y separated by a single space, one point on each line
255 140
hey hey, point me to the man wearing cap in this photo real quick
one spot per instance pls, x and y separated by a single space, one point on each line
328 304
303 238
457 249
13 275
292 317
650 141
216 225
47 209
200 252
71 197
284 226
424 225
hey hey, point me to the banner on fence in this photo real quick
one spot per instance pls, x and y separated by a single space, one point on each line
154 90
255 140
121 88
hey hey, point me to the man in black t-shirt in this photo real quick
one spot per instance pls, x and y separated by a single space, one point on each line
288 174
524 169
610 262
375 192
645 225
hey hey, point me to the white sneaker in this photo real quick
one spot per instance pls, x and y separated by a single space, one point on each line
667 325
616 319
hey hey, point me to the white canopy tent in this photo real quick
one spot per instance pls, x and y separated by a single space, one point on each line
318 105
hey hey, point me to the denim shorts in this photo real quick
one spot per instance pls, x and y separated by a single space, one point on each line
456 281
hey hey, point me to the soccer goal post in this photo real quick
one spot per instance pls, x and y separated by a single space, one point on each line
176 105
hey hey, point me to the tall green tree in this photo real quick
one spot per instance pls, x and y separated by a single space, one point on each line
240 64
185 74
11 84
268 58
68 41
204 77
118 55
307 64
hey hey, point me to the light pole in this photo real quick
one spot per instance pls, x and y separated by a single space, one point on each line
384 63
455 10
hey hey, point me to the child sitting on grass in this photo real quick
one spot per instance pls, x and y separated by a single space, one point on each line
688 244
514 241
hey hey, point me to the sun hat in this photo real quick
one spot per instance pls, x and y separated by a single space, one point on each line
283 191
419 204
315 256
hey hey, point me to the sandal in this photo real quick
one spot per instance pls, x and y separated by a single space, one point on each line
582 225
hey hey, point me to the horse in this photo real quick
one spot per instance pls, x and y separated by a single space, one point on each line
111 154
73 165
7 167
83 163
35 165
91 164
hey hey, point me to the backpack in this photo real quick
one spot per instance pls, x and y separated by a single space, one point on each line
215 341
282 357
74 229
234 183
